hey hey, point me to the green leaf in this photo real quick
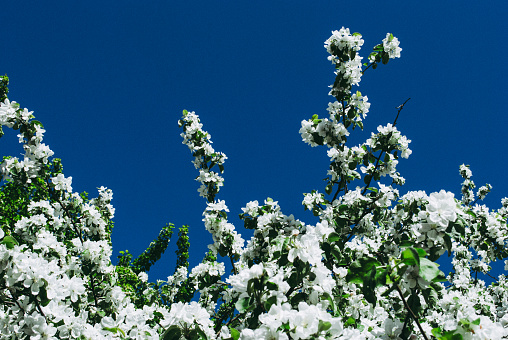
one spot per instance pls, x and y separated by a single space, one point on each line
448 243
385 58
324 326
172 333
327 297
430 295
234 333
476 322
271 286
350 321
406 243
333 237
410 257
367 179
242 304
382 277
298 298
414 302
459 226
197 334
43 295
269 302
440 335
251 286
369 287
421 252
429 270
114 330
9 242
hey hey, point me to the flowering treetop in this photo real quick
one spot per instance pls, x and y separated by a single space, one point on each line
366 270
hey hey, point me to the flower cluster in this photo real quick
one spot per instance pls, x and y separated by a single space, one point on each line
391 46
56 275
343 47
205 157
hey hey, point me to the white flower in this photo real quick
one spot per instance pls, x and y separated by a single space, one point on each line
251 208
187 316
143 276
391 46
441 209
62 183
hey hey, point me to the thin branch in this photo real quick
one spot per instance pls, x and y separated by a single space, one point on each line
233 264
411 312
400 107
368 67
492 277
39 307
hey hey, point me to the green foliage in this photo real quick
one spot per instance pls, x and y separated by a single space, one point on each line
15 199
183 245
225 312
128 270
4 81
446 335
154 251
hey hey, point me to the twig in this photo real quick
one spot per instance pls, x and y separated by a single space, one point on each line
411 312
400 107
232 263
492 277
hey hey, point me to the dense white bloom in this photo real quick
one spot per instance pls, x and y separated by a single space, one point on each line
251 208
441 209
465 171
187 316
343 39
312 199
240 280
208 268
391 46
143 276
361 104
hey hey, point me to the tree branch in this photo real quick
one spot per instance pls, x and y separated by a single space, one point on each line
411 312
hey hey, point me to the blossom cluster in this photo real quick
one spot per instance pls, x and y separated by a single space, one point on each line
205 157
56 275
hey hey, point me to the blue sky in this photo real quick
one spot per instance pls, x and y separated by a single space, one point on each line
109 81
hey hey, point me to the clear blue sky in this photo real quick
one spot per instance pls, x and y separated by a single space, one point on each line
109 81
